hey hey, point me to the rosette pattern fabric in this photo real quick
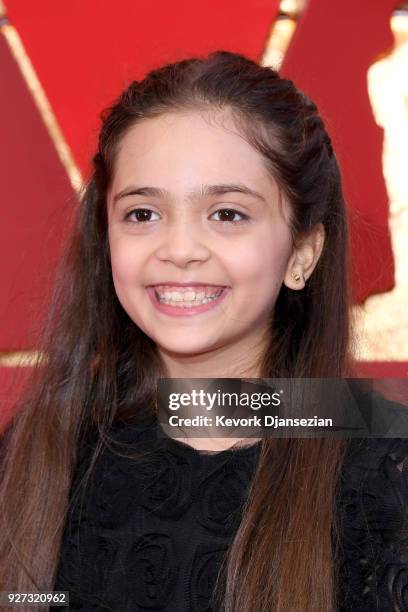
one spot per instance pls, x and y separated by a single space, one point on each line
152 533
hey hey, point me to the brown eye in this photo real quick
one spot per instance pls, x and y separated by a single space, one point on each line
228 214
142 215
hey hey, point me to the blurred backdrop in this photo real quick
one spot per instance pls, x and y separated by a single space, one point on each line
62 62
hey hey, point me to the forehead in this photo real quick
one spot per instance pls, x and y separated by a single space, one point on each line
178 149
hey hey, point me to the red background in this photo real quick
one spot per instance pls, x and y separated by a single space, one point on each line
84 52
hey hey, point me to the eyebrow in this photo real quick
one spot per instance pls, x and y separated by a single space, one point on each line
205 191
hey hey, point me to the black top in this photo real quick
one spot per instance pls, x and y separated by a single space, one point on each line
151 534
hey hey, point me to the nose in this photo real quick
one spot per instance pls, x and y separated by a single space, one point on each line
182 244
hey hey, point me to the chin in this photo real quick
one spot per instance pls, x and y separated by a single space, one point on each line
181 348
184 351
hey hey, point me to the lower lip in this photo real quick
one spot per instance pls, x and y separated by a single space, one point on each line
179 311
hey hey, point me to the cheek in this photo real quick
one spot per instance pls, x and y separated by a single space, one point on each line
257 273
125 262
125 274
260 266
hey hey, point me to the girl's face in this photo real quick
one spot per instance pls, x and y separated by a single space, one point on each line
191 202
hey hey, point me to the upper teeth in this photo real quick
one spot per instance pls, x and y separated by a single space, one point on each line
187 294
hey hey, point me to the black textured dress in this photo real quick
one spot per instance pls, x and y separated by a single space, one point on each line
151 534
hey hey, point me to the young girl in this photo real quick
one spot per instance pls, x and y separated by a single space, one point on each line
211 242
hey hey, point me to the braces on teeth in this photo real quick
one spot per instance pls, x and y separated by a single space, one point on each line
188 303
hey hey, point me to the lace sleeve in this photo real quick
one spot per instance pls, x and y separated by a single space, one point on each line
374 519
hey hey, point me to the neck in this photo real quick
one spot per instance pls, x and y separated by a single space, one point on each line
223 362
240 360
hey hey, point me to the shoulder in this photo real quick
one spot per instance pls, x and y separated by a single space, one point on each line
377 468
373 524
101 450
390 416
375 456
119 431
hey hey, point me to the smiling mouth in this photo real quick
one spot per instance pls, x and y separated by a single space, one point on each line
187 297
185 302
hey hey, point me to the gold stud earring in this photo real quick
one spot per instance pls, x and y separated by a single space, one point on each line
296 277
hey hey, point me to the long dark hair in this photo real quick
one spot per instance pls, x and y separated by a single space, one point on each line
100 366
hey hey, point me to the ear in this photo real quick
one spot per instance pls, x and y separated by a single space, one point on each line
304 258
